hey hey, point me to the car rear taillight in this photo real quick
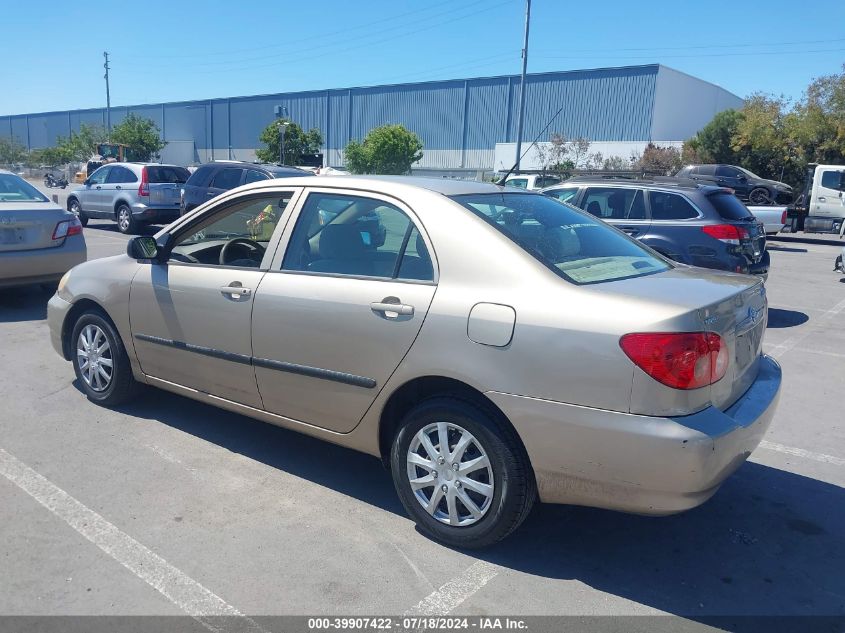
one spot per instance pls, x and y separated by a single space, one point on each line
783 217
728 233
681 360
144 187
66 228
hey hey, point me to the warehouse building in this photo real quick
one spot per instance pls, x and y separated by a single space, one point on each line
460 121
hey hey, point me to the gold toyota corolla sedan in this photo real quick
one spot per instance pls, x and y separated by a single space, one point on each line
492 346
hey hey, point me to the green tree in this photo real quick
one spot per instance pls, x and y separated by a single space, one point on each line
140 135
714 143
81 145
49 156
11 151
389 149
298 143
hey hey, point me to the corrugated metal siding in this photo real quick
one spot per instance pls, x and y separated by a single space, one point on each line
459 121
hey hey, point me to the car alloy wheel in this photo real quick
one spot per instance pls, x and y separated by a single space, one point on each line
450 474
94 356
759 196
123 219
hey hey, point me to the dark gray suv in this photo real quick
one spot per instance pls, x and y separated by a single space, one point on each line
699 225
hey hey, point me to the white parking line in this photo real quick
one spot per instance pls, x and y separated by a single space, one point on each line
454 592
800 452
182 590
782 348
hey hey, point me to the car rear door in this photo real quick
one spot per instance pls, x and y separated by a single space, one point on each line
622 207
225 179
338 311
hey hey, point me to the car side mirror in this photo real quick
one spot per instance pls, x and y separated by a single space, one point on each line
87 181
142 247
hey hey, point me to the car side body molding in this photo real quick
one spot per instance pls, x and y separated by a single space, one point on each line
293 368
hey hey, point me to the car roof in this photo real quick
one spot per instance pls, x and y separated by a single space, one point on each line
397 184
658 182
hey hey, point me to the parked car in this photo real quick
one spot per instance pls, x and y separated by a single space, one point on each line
39 241
131 194
532 182
773 219
480 351
212 179
748 186
699 225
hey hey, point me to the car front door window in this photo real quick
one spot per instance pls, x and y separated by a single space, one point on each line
237 235
226 179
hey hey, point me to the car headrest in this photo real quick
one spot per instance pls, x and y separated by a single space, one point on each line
594 208
559 242
341 241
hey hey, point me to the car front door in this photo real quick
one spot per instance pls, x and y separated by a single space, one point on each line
341 307
828 199
734 179
191 314
91 194
117 182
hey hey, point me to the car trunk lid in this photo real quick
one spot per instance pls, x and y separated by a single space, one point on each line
165 184
29 225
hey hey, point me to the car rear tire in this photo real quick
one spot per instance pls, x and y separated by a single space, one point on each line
759 196
477 491
100 361
73 207
125 222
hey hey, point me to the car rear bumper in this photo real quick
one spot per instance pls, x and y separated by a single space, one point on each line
42 265
155 214
635 463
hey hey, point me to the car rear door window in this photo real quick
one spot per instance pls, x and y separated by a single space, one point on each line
158 174
228 178
706 170
253 175
201 176
614 203
670 206
119 175
344 234
727 172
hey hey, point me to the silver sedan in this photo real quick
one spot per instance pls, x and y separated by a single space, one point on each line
39 241
491 346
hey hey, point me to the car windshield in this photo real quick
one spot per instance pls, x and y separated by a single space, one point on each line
576 246
16 189
749 173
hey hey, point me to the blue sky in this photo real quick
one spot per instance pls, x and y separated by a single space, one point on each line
166 51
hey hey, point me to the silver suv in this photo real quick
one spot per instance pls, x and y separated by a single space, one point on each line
132 194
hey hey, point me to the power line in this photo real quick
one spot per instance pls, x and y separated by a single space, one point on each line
702 55
710 46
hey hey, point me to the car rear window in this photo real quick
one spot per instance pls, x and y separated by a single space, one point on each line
201 176
572 243
729 206
16 189
167 173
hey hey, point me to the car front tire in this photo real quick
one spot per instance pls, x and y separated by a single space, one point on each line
476 491
100 361
759 196
73 207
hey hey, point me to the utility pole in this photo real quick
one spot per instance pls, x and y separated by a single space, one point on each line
522 86
108 96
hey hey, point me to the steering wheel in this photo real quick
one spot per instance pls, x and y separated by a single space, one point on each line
231 247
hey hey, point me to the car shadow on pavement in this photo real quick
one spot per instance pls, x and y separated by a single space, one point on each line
785 249
107 226
306 457
28 303
780 318
769 542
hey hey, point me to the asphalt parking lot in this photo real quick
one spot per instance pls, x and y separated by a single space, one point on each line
219 512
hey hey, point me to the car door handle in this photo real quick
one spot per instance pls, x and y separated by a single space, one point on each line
629 230
118 187
240 291
390 309
822 199
210 193
99 187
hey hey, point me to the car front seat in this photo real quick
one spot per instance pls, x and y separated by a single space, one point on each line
342 250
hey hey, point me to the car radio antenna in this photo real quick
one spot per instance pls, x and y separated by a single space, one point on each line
502 180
